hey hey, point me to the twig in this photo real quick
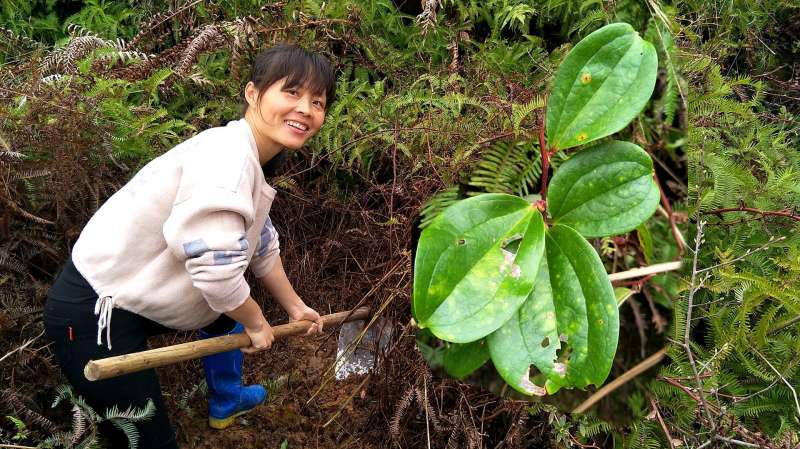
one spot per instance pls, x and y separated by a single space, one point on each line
794 393
775 213
621 380
25 345
663 424
783 325
675 383
695 286
634 285
772 240
16 446
735 442
348 399
493 138
676 233
427 421
645 271
640 324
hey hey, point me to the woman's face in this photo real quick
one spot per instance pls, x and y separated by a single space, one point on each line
286 116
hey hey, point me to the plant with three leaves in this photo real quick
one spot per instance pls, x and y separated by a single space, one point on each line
493 271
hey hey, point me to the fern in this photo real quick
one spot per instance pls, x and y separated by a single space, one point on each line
507 168
85 422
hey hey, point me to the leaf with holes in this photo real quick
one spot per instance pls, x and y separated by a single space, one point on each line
603 84
475 265
572 308
460 360
605 190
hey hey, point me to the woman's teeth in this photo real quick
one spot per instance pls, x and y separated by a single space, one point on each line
297 125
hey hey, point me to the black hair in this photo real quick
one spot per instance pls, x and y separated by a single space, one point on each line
300 67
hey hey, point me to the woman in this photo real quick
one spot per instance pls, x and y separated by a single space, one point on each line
169 250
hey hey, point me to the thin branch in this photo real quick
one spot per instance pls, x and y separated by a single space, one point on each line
25 345
621 380
663 424
489 140
775 213
688 327
645 271
735 442
676 233
783 325
427 419
746 253
794 392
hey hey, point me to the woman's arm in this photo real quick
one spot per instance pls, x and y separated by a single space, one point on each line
281 289
255 325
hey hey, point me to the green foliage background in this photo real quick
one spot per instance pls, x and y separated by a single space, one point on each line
448 100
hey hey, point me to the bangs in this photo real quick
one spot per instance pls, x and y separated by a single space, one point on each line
300 68
313 74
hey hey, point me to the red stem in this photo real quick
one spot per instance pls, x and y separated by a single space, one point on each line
777 213
670 216
545 159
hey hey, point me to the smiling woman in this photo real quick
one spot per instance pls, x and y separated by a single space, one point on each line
169 251
286 98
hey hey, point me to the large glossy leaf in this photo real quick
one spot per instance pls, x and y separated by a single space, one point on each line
475 265
460 360
529 337
603 83
572 305
605 190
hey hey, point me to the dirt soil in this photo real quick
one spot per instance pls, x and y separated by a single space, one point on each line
292 371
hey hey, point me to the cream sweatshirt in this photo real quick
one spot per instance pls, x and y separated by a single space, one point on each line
172 244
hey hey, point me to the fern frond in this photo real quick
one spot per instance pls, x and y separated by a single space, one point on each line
507 167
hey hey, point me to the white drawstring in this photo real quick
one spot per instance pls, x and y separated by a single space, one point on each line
103 307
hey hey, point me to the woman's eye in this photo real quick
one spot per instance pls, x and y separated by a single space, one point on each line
319 103
291 91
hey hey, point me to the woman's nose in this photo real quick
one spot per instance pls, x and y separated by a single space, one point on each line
303 106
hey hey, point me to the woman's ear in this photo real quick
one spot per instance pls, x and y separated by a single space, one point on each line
251 94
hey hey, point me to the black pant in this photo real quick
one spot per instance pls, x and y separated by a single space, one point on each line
72 327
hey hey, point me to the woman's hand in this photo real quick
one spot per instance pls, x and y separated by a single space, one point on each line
261 338
303 312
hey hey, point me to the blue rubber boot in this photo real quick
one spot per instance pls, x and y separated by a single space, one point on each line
227 398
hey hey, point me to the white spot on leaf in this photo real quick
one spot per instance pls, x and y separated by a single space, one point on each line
530 387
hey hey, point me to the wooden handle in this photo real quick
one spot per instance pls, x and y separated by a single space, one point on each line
138 361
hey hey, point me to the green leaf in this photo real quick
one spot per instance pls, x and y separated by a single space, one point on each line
529 337
586 308
572 306
645 242
475 265
460 360
604 82
622 294
432 352
605 190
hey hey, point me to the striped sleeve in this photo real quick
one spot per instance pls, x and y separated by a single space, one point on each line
267 252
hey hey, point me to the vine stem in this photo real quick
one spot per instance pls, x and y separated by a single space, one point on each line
663 424
676 233
545 158
776 213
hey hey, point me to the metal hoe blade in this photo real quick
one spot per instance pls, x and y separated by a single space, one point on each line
357 349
